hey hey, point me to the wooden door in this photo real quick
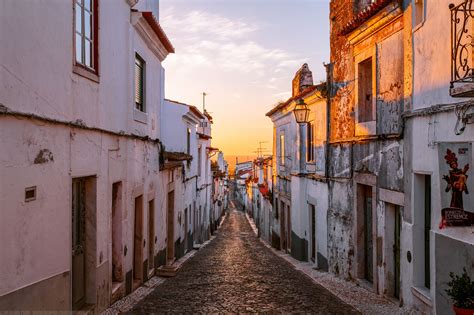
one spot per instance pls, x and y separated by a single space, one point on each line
170 229
186 229
313 233
78 243
138 239
368 237
283 226
396 253
151 234
288 229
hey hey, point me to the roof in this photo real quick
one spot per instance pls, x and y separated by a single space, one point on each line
364 15
303 93
203 136
208 116
177 156
155 25
192 108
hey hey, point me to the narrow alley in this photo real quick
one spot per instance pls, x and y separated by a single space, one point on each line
237 273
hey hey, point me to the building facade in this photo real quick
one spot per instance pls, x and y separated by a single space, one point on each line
105 180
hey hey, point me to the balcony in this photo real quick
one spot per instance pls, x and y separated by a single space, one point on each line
462 50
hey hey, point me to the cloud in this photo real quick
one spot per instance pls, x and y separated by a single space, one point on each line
210 40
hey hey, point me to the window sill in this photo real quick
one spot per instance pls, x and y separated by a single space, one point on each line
422 294
85 73
140 116
365 128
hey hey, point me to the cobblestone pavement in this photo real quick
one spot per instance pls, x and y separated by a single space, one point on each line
237 273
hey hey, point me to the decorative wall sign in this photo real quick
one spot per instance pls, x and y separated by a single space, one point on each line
456 202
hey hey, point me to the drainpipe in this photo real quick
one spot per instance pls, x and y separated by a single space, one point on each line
328 116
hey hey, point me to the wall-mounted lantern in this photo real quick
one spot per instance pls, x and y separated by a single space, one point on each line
301 112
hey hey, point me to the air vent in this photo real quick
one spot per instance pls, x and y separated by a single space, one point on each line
30 193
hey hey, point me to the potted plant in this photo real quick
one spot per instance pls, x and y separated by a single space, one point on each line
461 291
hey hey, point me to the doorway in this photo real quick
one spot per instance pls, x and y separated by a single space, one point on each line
186 229
137 244
288 229
151 234
396 253
392 250
117 271
283 226
312 223
368 236
78 243
83 267
170 229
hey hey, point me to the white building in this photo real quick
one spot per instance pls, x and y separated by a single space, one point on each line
433 128
300 186
84 205
179 177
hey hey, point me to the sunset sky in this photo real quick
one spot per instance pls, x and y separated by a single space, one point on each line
244 54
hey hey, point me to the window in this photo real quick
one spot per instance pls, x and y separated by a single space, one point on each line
139 83
86 35
188 141
365 91
310 142
419 12
199 161
282 149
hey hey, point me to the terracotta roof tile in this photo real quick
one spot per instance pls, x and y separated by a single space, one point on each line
364 15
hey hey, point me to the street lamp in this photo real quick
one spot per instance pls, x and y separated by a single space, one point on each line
301 112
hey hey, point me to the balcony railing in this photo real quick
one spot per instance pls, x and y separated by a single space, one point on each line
462 45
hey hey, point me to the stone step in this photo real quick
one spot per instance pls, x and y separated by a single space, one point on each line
167 271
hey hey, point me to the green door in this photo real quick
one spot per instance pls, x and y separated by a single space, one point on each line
368 239
396 252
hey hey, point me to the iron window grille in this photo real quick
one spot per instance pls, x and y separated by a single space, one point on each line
462 42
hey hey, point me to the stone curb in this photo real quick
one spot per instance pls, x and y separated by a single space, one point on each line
350 293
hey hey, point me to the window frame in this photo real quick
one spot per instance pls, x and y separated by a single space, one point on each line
140 106
188 140
310 156
282 148
80 68
366 127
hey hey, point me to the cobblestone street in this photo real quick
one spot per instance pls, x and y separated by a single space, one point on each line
237 273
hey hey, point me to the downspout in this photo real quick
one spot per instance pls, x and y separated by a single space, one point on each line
328 116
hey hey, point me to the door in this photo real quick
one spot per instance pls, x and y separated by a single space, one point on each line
313 232
396 253
78 243
170 229
117 274
368 238
186 229
283 226
288 229
138 239
151 234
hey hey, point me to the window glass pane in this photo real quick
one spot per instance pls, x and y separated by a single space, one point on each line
78 20
88 5
87 24
88 53
78 48
138 82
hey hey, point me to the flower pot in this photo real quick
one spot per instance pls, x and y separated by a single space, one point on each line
463 311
